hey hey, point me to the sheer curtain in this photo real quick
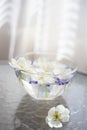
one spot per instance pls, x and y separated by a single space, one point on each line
9 14
50 25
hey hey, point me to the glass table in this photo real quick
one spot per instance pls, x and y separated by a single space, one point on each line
18 111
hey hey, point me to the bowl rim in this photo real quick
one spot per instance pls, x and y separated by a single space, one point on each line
73 70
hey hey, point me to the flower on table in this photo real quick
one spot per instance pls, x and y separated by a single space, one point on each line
57 115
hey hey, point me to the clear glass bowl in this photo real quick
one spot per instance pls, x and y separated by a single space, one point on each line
43 75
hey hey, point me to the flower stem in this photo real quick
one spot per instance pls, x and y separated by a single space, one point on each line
38 91
47 90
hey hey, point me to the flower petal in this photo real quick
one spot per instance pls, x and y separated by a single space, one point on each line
65 118
14 64
49 79
67 111
56 124
50 125
60 109
51 113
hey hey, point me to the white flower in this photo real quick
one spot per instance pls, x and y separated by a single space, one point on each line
57 115
40 61
42 78
21 64
45 65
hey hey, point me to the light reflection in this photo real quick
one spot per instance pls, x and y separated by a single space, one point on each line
68 28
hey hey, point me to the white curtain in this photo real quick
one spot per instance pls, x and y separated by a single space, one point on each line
50 25
9 13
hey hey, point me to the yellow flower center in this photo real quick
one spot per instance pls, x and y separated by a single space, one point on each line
41 78
57 116
46 69
22 65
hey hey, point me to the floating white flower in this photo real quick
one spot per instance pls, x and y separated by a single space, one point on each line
57 115
45 65
42 79
21 64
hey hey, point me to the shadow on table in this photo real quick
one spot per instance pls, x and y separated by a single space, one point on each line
30 114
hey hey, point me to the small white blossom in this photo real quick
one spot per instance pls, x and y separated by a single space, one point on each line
42 79
21 64
57 115
44 64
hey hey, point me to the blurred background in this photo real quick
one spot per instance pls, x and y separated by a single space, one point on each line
44 25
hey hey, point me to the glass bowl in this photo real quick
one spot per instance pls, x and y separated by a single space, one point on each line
43 75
